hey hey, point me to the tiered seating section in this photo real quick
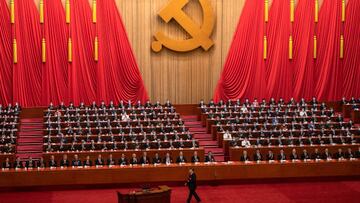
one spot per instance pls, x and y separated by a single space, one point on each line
255 130
9 124
120 130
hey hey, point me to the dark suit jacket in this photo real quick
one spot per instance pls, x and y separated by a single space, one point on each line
292 156
256 158
181 160
52 164
339 155
99 162
242 158
282 158
20 165
145 160
4 165
326 156
111 162
122 161
209 159
133 162
305 156
195 159
165 160
64 163
156 160
191 183
88 164
316 156
76 163
30 165
268 157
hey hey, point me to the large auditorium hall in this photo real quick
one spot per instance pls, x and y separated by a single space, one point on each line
159 101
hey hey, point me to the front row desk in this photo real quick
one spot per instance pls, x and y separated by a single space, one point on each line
221 171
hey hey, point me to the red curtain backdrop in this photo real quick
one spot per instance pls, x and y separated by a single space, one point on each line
55 70
328 77
239 78
33 83
303 62
351 75
5 54
83 72
328 70
117 65
278 73
27 73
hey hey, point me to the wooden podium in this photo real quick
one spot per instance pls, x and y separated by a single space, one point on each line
162 194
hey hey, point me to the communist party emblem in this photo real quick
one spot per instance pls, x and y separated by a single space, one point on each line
200 34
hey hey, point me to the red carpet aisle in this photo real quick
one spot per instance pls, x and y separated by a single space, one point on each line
30 140
341 191
205 139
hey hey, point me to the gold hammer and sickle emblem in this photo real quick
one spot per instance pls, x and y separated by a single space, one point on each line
200 34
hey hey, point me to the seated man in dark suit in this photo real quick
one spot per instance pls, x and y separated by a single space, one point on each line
41 163
349 154
18 163
99 161
339 154
244 156
144 159
316 155
157 159
181 159
167 159
209 157
30 163
326 154
111 161
123 160
195 158
6 164
270 156
64 162
282 156
76 162
133 160
305 155
357 153
257 156
52 162
87 162
294 155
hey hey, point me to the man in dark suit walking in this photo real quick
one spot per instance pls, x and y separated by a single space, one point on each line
191 183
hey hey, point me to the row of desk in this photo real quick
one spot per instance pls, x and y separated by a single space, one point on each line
221 171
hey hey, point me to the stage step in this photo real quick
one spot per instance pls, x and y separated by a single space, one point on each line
205 139
30 138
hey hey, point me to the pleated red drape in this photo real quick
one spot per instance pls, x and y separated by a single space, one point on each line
328 69
303 61
117 65
239 78
83 72
55 70
5 54
278 73
328 77
351 75
27 73
35 83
